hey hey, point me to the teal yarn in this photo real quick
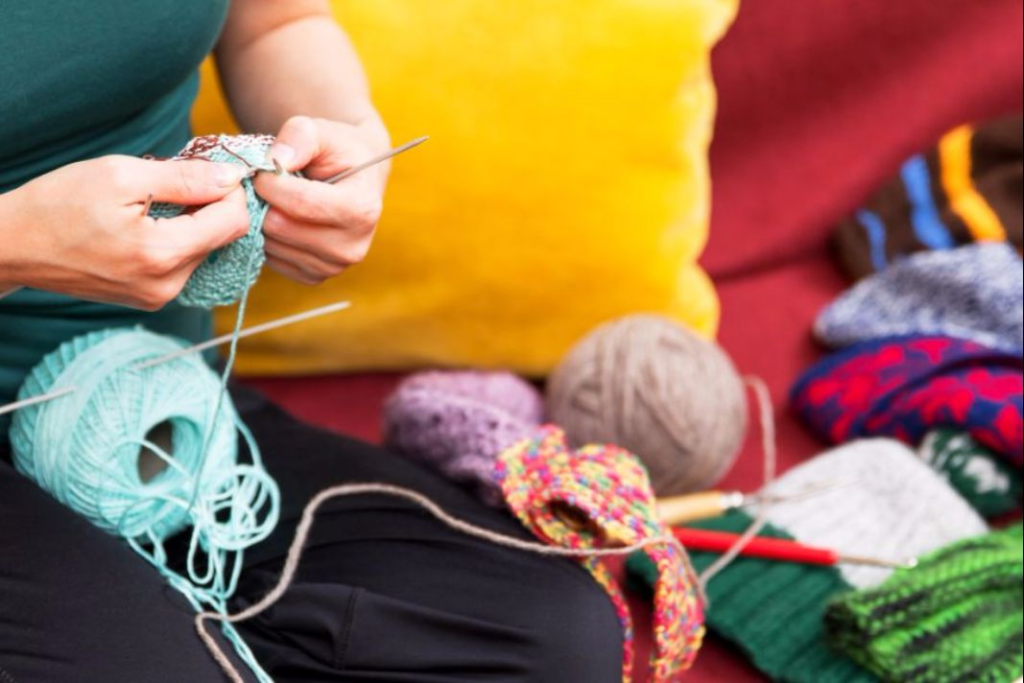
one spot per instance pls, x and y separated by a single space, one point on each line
84 449
227 273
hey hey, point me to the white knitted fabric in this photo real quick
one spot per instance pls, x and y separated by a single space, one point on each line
887 504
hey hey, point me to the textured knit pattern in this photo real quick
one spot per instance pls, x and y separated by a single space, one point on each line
460 422
954 617
227 273
985 481
905 387
600 496
772 611
967 189
873 497
974 292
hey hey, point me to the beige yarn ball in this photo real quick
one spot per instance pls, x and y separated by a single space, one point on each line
651 386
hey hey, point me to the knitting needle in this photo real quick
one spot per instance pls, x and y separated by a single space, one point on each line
707 504
224 338
377 159
779 549
12 290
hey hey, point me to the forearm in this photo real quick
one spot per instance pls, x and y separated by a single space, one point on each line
275 64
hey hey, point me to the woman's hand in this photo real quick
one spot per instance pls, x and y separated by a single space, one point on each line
80 230
314 230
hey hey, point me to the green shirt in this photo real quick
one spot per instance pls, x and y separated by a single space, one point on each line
81 79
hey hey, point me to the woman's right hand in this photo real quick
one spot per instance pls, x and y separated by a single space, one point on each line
80 230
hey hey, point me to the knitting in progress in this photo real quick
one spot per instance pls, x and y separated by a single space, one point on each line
599 496
966 189
974 292
459 422
648 384
227 273
905 387
956 616
86 450
883 502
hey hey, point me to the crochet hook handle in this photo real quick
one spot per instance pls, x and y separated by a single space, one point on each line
778 549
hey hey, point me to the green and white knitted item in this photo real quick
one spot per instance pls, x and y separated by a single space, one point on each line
955 617
984 479
884 502
227 273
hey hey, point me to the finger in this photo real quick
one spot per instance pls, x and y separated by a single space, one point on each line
354 204
333 246
210 227
318 148
310 264
188 182
291 272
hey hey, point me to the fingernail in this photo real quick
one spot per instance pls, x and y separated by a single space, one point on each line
283 153
229 175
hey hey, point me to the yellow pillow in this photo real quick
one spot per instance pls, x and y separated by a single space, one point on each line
565 183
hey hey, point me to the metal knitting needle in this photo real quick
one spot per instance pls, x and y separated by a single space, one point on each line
12 290
202 346
377 159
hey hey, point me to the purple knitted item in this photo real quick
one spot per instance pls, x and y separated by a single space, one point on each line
460 422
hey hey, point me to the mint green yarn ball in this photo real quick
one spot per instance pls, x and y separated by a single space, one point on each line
84 447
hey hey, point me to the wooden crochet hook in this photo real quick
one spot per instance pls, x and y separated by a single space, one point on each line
779 549
692 507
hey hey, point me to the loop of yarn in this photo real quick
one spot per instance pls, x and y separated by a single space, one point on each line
459 422
84 449
227 273
648 384
600 496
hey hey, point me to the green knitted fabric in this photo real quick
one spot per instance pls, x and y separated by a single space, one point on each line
954 617
984 479
772 610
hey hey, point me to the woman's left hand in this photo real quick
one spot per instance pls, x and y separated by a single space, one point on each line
314 230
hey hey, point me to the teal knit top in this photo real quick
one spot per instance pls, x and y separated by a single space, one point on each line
83 79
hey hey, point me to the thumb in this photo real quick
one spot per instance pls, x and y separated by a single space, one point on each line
190 182
209 227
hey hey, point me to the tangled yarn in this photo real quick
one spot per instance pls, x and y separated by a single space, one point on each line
459 422
653 387
84 448
905 387
956 616
974 292
227 273
599 496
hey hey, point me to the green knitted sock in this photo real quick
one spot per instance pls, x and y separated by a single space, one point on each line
984 479
772 610
954 617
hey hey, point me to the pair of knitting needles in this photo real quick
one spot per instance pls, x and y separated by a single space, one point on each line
196 348
279 170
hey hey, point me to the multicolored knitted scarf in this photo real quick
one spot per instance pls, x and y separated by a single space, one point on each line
905 387
954 617
599 497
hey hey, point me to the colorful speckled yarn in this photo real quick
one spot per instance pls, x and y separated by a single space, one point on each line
954 617
459 422
227 273
600 496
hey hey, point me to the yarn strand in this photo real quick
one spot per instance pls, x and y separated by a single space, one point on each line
305 525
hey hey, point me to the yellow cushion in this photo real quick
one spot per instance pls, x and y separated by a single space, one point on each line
565 183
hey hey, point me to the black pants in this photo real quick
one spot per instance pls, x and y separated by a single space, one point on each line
383 593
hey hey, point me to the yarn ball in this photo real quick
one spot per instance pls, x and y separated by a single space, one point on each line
227 273
459 422
651 386
84 447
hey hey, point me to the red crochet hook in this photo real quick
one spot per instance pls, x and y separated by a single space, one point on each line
778 549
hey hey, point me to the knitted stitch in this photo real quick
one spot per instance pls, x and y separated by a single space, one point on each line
230 271
907 386
991 486
459 422
598 496
974 292
954 617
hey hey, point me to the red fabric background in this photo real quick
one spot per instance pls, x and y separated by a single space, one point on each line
819 101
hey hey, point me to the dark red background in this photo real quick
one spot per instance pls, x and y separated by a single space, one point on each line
819 102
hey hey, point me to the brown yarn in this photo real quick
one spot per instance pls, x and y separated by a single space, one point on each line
649 385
